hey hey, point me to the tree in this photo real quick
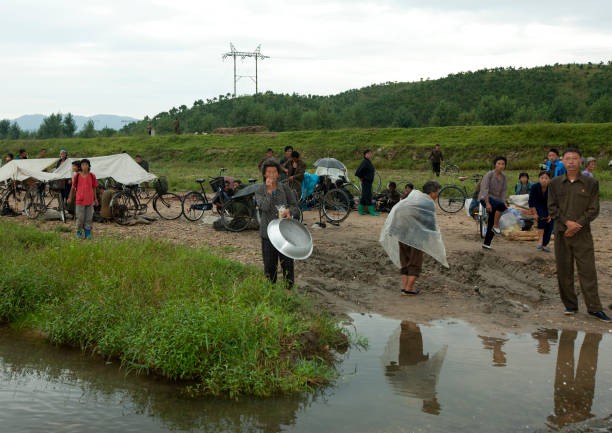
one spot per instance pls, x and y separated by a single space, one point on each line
89 130
51 127
445 114
493 111
14 131
69 126
5 126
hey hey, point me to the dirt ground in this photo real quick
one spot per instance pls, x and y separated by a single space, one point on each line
512 288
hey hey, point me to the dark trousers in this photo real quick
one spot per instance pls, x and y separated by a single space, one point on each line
548 229
411 260
496 206
579 249
271 256
435 166
366 193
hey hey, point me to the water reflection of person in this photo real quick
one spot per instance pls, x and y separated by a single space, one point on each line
574 393
495 344
416 373
544 337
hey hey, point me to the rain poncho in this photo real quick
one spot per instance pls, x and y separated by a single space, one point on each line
413 222
308 184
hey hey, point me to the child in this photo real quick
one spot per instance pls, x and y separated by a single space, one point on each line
523 186
83 190
538 204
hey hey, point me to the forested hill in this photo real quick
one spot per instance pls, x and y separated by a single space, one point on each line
560 93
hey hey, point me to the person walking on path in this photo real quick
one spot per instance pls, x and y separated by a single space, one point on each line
573 202
493 187
538 204
365 172
84 184
436 159
410 231
269 197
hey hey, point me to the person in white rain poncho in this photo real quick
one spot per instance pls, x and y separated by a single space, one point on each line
410 230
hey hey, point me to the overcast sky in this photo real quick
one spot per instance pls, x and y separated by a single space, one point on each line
137 57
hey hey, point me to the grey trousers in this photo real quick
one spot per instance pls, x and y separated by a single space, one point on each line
579 249
84 217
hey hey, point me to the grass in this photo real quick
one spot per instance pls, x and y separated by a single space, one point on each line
398 153
170 310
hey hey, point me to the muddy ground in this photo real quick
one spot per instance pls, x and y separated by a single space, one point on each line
509 289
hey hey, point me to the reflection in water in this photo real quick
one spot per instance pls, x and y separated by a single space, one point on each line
414 374
544 337
574 393
495 344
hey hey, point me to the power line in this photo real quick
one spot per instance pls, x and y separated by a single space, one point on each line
243 55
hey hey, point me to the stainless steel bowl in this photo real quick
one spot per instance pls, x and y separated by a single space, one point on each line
291 238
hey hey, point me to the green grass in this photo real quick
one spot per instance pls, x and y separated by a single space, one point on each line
175 311
398 153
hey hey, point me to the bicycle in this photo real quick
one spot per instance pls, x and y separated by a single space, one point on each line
11 198
449 169
126 204
240 211
332 202
451 198
195 203
42 197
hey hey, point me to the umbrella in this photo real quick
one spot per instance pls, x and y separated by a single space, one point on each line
329 163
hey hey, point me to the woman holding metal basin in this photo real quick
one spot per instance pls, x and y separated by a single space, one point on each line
273 201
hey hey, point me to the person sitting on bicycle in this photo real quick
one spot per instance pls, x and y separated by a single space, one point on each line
269 196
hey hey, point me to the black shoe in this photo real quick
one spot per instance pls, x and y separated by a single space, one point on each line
600 315
570 311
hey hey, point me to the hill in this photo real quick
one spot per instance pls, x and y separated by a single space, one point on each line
559 93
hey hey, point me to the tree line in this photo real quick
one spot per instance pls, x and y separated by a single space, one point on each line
56 125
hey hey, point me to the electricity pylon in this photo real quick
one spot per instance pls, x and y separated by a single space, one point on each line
243 55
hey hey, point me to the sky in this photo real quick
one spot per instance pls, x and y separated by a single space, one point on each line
138 58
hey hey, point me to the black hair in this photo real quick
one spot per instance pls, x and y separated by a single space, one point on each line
554 150
521 174
270 162
10 155
409 185
270 150
288 148
86 161
546 172
500 158
295 154
22 151
366 151
431 186
77 162
574 150
392 184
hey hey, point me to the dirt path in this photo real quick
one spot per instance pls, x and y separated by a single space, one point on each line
512 288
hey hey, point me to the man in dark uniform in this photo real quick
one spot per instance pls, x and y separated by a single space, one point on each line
365 173
573 202
436 159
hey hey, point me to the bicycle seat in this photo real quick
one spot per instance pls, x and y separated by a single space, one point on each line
463 178
251 180
200 180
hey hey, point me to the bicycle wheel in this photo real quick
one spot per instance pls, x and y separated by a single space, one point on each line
336 205
451 199
377 183
483 219
354 191
15 200
194 204
235 215
33 205
168 206
123 207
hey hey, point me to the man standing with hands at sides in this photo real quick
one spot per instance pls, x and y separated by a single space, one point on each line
270 196
573 203
436 159
365 172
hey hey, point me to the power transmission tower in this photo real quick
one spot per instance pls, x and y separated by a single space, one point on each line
243 55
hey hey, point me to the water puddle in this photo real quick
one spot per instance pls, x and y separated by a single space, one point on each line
438 377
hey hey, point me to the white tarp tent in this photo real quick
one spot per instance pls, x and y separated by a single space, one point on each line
120 167
22 169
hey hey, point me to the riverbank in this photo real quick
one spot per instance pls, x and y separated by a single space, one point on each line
179 312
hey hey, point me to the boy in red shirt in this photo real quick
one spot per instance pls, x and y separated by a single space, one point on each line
84 184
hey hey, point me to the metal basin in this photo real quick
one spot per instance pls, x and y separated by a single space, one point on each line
291 238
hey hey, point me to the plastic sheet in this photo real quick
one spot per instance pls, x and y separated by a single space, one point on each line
413 222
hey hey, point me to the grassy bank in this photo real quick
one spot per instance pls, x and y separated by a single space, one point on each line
400 153
175 311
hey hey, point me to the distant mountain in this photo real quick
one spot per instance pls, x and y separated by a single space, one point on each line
31 122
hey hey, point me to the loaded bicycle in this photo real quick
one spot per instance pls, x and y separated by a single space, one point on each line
12 198
44 196
195 203
127 203
452 198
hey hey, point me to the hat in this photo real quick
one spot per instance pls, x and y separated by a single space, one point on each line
589 159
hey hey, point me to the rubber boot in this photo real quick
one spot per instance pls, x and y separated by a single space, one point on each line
372 210
88 234
361 209
79 234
